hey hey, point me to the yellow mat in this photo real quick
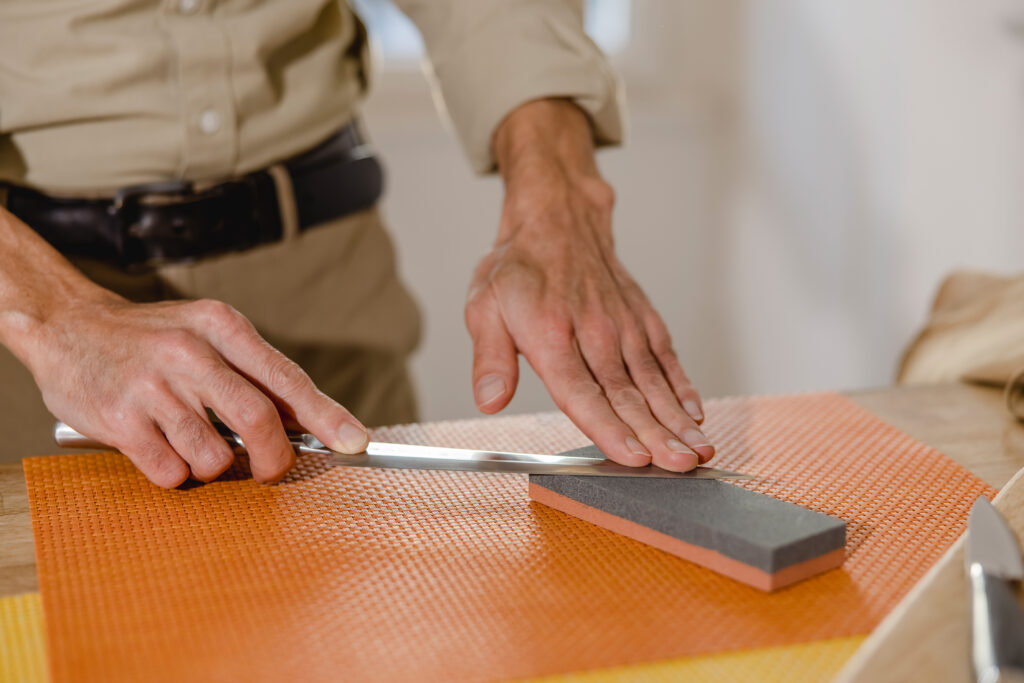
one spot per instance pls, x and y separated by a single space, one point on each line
808 662
22 657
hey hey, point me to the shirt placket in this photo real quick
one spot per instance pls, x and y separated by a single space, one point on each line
209 117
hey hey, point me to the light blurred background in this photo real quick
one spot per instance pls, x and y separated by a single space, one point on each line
798 177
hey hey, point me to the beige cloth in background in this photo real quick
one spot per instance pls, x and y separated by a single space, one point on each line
975 333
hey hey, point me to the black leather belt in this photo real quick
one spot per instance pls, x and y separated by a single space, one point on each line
173 222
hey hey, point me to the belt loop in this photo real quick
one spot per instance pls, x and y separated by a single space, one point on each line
285 201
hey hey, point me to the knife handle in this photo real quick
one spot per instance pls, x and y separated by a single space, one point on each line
68 437
997 629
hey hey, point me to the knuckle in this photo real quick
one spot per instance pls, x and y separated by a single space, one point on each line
219 453
596 335
588 389
555 322
602 194
191 432
178 345
210 456
626 398
256 414
286 377
222 382
212 308
220 315
602 326
633 335
478 312
476 297
148 385
472 312
648 371
118 415
574 402
554 332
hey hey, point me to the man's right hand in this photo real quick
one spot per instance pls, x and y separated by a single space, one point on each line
140 376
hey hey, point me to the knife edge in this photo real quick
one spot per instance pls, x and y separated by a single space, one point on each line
407 456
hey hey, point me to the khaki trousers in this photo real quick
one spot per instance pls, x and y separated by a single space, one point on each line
329 298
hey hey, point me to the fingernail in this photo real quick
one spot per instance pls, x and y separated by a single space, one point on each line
677 446
353 439
489 389
699 443
693 409
695 438
636 447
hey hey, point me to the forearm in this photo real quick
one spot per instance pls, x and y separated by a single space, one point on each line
35 283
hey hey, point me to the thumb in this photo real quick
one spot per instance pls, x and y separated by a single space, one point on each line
495 361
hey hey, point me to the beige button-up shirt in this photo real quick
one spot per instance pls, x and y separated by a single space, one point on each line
99 95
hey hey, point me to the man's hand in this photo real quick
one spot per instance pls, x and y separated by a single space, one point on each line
553 290
140 376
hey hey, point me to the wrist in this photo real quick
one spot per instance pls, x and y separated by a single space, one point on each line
548 136
37 286
545 154
32 327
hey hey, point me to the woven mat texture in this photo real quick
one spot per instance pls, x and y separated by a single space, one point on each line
410 575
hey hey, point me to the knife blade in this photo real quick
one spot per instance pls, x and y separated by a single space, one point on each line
994 561
409 456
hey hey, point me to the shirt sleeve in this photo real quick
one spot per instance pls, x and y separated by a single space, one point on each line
490 56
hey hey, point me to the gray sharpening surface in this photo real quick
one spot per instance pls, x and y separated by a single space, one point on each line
752 528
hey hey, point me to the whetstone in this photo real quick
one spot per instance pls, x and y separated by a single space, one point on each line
748 536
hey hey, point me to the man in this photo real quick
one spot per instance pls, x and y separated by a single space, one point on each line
198 166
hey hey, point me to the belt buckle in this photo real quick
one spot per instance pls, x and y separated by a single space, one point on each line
124 211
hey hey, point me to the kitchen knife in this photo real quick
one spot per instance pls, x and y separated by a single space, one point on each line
584 462
997 622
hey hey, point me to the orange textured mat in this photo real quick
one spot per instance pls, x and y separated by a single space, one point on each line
359 574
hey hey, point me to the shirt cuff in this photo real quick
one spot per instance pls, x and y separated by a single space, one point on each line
516 54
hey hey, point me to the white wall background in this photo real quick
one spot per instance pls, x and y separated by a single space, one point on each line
798 177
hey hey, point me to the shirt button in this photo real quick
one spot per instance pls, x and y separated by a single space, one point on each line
188 6
209 121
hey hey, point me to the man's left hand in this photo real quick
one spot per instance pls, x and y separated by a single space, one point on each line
553 289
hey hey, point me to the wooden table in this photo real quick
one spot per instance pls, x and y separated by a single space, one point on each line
969 424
